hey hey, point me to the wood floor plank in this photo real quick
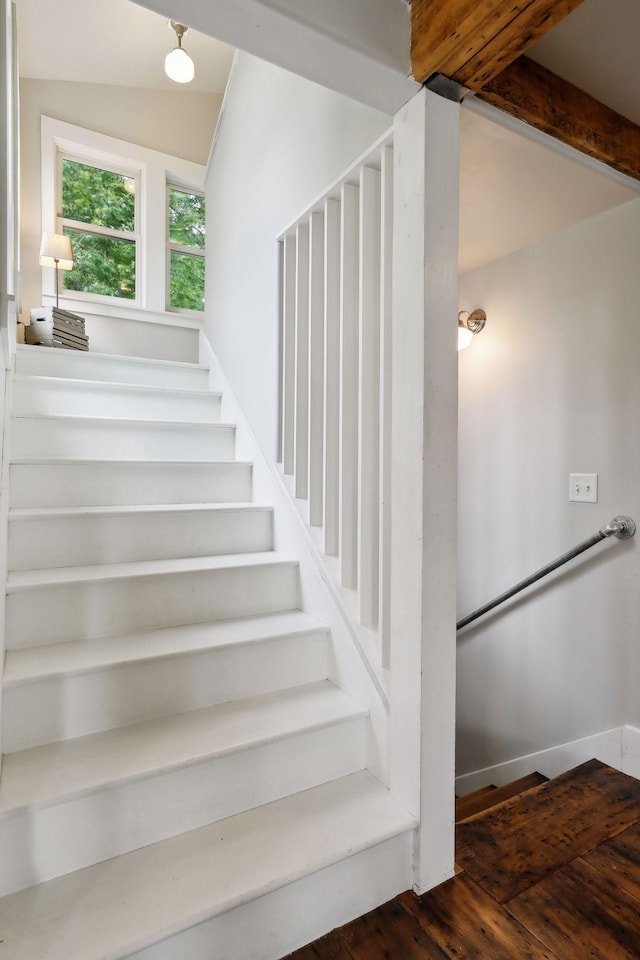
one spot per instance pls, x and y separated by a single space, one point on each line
390 931
520 842
578 913
619 860
473 801
467 924
477 803
331 947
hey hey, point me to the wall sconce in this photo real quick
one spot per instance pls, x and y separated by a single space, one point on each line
178 65
55 251
468 325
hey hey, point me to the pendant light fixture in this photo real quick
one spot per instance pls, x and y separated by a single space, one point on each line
178 65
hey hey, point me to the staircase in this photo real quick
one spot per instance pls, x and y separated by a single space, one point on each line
180 778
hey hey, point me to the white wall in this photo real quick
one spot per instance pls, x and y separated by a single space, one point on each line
280 142
177 123
550 387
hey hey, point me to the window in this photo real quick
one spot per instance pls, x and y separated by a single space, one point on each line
186 240
99 212
114 199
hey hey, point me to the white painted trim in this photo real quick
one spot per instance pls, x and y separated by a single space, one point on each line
607 746
631 751
220 117
5 447
423 478
100 309
349 667
522 129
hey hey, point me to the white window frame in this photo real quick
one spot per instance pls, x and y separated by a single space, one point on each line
179 247
134 237
154 170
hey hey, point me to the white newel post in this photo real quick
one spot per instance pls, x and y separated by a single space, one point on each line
424 464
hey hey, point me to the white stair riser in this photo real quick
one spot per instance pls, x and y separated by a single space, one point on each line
61 708
88 366
41 844
111 439
311 907
84 611
37 543
57 397
114 484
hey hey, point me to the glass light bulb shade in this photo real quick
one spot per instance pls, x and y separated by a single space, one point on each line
56 247
178 66
464 337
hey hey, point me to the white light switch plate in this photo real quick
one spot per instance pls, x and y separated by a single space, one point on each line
583 487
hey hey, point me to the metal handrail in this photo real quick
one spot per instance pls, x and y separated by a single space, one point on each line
622 528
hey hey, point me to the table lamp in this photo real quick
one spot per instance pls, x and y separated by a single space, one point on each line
55 251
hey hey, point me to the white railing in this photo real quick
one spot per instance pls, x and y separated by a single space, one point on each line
336 387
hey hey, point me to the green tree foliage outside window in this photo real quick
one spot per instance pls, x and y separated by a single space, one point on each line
186 228
102 264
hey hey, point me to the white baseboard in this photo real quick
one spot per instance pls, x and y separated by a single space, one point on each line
631 751
618 747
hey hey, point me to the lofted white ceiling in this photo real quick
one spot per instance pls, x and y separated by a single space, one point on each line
513 191
113 42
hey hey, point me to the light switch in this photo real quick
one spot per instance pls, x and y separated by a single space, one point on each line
583 487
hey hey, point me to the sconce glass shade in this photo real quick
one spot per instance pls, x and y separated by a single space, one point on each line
464 338
178 66
55 251
468 325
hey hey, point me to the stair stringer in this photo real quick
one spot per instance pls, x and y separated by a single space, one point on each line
6 386
349 666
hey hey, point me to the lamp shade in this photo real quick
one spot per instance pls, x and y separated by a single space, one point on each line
178 66
55 251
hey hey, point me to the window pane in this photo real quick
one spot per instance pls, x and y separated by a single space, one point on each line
187 281
91 195
101 265
186 218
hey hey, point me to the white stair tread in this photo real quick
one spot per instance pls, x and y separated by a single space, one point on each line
145 422
106 464
67 769
84 656
114 385
19 580
122 905
39 513
116 357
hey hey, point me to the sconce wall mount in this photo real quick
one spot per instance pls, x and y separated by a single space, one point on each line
469 324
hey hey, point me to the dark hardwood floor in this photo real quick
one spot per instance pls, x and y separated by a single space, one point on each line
549 870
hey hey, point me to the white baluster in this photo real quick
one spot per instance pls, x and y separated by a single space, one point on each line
332 375
288 351
301 443
349 296
386 254
316 368
369 395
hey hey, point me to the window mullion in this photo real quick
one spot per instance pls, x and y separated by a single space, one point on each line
83 227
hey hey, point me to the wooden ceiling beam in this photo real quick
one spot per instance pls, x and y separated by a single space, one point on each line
472 41
545 101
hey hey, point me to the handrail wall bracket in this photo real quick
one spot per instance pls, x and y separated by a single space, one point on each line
621 527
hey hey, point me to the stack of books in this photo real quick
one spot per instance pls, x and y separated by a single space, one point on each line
54 327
